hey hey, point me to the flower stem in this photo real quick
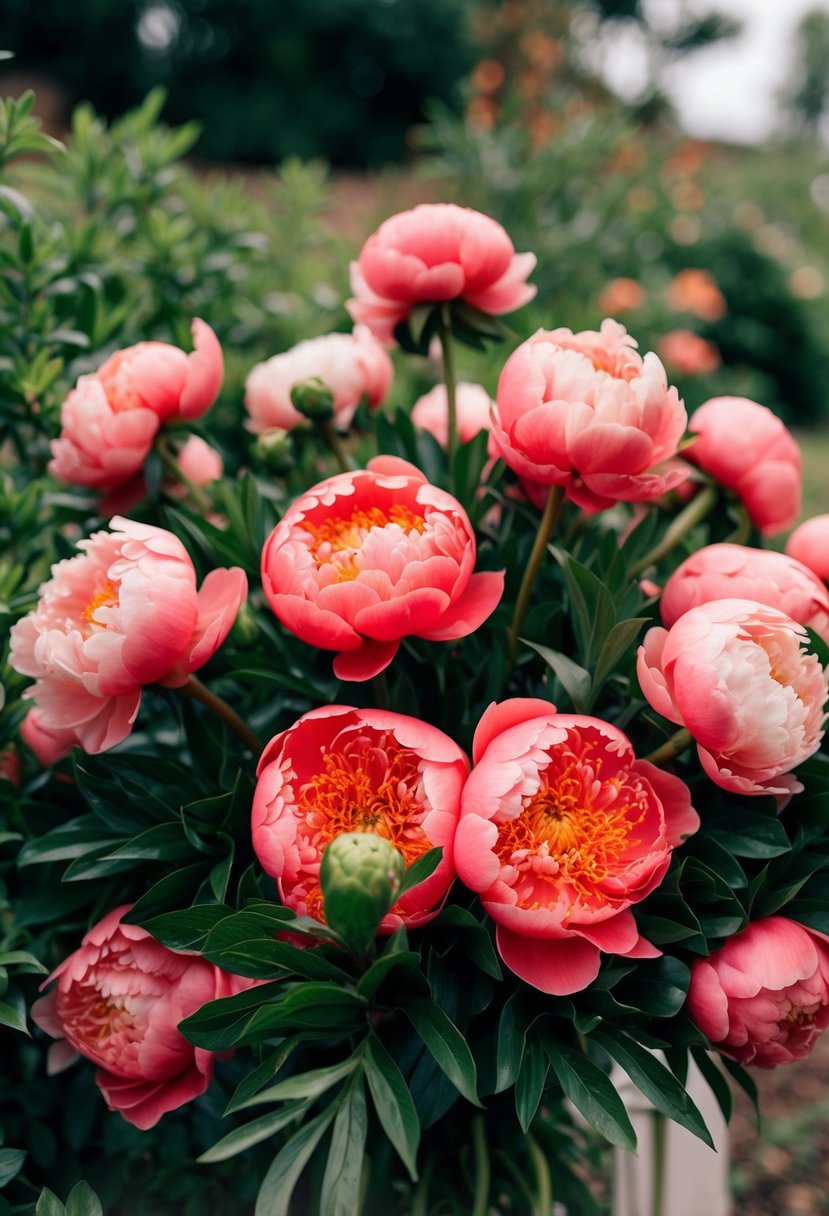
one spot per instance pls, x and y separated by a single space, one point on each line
480 1202
420 1202
691 515
543 1182
381 690
545 530
168 459
334 442
199 692
659 1154
671 748
445 333
742 532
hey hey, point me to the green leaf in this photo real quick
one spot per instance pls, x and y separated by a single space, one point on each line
186 930
172 890
593 611
245 1137
278 1184
616 644
341 1183
372 979
748 834
591 1092
574 679
716 1081
393 1103
13 1017
306 1085
83 1201
529 1086
11 1163
264 1072
237 944
420 870
49 1205
446 1043
512 1034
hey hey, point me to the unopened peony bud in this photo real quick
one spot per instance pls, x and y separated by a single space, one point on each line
314 399
275 449
360 874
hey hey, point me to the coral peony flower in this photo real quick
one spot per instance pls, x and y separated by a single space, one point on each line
621 295
341 770
367 558
125 612
688 352
695 291
736 674
587 412
352 366
110 419
747 449
561 830
763 998
48 746
434 253
724 572
473 406
809 544
118 1001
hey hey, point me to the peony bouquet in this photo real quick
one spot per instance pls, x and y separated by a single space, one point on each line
502 766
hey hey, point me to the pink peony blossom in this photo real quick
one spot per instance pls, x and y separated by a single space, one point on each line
725 572
117 1001
366 558
48 746
747 449
123 613
763 998
434 253
353 366
198 461
737 675
473 406
341 770
688 352
562 829
809 544
585 411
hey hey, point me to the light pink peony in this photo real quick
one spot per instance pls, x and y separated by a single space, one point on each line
117 1001
688 352
737 675
562 829
809 544
123 613
585 411
763 998
353 366
747 449
434 253
473 406
725 572
366 558
340 770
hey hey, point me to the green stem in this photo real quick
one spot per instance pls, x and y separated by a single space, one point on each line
660 1124
420 1201
742 532
691 515
199 692
545 530
671 748
172 466
381 690
445 333
335 443
480 1202
543 1182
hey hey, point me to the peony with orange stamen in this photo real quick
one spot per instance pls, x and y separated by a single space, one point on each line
339 770
562 829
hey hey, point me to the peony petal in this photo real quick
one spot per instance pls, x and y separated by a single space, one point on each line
558 967
365 662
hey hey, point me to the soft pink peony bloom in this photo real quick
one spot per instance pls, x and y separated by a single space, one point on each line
736 674
353 366
763 998
49 746
118 1001
747 449
473 406
437 252
123 613
688 352
562 829
366 558
162 378
725 572
340 770
585 411
809 544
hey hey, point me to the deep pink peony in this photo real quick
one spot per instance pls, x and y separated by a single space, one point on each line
747 449
434 253
725 572
737 675
809 544
763 998
562 829
473 407
353 366
586 411
340 770
367 558
118 1001
125 612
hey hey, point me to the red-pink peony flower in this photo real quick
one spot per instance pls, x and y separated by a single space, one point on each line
587 412
340 769
352 366
366 558
724 572
737 675
125 612
747 449
763 998
562 829
809 544
473 406
435 253
688 352
117 1001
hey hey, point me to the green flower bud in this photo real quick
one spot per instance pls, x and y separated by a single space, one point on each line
245 631
360 875
314 399
275 448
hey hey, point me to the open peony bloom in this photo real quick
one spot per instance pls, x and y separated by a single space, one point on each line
747 449
367 558
737 675
586 411
473 406
125 612
435 253
562 829
352 366
763 998
110 419
117 1001
809 544
724 572
341 770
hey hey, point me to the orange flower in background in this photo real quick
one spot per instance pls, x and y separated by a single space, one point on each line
488 76
688 352
621 295
695 291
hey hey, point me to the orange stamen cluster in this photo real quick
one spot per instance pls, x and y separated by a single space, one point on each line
105 597
346 534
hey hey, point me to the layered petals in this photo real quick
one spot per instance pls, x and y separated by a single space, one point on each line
473 406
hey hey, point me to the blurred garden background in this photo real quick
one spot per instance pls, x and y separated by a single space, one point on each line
226 160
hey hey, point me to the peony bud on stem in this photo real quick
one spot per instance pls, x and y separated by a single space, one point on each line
360 875
445 334
168 459
337 447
